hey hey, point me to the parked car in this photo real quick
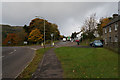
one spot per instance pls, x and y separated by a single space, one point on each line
64 39
96 43
91 43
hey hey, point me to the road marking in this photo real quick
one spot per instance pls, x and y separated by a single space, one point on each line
33 48
12 52
25 66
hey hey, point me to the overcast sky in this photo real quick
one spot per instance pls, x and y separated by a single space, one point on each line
69 16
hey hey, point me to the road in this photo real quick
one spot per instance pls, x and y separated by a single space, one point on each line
15 59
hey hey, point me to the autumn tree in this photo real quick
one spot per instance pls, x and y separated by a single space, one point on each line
13 35
15 38
83 29
35 36
103 22
61 36
49 28
26 28
37 23
90 23
55 31
89 27
21 37
10 39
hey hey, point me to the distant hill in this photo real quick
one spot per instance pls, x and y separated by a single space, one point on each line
6 29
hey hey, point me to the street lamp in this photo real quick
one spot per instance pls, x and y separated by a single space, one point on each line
44 28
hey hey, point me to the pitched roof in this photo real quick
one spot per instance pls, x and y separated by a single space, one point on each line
113 21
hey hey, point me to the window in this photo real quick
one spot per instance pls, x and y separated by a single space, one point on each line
110 29
105 30
109 39
105 41
116 39
116 26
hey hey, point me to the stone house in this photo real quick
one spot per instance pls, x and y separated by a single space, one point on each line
110 32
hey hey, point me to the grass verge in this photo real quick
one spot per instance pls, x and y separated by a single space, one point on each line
30 69
88 62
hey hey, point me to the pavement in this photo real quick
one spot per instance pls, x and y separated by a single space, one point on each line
50 67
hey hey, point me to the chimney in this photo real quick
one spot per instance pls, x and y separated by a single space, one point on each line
115 15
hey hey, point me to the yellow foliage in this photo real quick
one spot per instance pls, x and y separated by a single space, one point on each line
105 21
35 35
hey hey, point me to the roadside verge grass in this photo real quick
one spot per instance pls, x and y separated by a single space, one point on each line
30 69
88 62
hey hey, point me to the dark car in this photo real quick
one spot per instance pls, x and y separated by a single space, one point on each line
91 43
96 43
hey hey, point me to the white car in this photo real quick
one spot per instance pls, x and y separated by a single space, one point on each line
64 39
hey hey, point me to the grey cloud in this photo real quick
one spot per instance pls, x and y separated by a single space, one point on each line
69 16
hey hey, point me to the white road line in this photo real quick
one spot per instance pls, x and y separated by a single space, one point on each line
25 66
33 48
12 52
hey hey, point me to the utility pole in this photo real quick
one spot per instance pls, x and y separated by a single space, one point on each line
44 33
44 28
